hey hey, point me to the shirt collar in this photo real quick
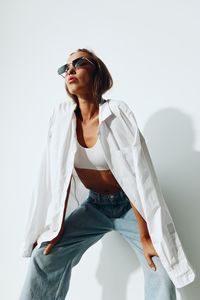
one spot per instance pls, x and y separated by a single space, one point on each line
104 109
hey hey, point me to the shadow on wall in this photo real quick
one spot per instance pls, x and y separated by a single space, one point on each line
117 263
170 138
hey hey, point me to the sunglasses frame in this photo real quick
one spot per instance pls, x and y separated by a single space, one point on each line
63 68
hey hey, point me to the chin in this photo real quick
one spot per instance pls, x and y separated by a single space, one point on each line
73 91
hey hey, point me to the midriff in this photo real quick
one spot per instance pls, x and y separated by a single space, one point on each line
100 181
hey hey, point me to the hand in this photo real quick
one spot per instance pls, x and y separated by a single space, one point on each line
51 243
149 251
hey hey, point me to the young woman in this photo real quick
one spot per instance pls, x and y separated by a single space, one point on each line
97 143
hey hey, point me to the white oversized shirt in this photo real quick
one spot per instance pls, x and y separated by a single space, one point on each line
128 158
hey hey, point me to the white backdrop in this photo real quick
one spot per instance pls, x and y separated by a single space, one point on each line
152 51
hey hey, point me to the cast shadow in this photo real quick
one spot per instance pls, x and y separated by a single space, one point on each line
170 138
116 264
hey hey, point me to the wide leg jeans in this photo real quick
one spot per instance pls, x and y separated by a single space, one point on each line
48 276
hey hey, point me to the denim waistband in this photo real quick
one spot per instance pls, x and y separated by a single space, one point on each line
117 197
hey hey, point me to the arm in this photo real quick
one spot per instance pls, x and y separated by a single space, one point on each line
145 239
40 198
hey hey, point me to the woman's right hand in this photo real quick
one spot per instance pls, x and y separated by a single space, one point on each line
51 243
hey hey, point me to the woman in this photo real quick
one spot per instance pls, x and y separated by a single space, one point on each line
98 144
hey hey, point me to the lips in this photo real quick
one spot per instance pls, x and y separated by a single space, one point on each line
72 79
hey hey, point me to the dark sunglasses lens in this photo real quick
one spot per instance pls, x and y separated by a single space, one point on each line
63 69
79 62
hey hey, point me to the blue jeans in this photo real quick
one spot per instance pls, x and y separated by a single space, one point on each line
48 276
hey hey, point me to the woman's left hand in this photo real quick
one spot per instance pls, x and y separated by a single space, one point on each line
149 251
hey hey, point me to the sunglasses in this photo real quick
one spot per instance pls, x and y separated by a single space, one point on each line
76 63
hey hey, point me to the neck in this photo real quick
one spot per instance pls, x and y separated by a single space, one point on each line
88 109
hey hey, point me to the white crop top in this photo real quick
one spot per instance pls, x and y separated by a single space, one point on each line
90 158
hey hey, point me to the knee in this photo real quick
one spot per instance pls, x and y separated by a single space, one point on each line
56 259
47 263
39 259
160 277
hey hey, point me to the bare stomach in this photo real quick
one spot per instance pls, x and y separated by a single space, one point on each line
100 181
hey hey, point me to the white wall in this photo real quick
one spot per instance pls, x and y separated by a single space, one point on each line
152 50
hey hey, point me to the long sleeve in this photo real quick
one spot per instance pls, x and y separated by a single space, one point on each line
159 221
40 197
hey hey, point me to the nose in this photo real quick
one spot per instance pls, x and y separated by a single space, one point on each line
71 69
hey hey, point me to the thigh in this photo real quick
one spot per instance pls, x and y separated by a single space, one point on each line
82 228
128 228
49 275
85 223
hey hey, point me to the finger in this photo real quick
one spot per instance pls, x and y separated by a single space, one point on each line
150 262
48 248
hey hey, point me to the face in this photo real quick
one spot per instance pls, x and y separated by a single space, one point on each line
79 80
